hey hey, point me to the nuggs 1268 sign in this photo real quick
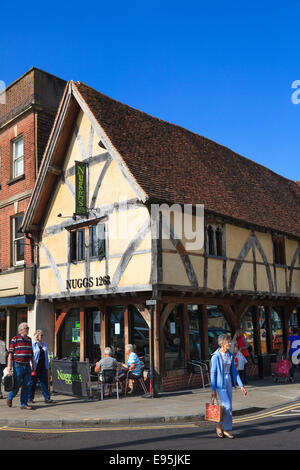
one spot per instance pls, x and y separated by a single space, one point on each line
88 282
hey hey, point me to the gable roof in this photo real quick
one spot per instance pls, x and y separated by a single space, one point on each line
169 163
173 164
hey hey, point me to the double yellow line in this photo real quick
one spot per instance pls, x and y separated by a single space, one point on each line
97 429
266 414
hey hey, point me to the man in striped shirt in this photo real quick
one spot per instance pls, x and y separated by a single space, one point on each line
21 354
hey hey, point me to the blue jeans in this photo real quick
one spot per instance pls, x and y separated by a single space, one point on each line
42 375
22 377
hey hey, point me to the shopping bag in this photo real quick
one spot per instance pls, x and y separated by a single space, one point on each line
214 411
8 383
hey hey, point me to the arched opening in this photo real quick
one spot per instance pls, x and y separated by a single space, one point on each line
173 337
217 324
139 335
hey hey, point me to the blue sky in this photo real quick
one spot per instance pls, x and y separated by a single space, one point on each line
221 69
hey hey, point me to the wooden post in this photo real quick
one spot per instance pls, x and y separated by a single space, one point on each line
256 330
268 320
82 336
186 334
58 322
126 330
103 319
157 360
204 331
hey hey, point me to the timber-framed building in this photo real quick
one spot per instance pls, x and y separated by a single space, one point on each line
106 163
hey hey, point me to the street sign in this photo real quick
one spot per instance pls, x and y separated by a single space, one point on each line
151 302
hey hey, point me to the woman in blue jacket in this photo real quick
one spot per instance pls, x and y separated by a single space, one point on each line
41 361
224 376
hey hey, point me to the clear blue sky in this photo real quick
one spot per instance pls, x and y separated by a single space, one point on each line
221 69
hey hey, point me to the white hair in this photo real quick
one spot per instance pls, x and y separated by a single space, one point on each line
129 347
223 339
22 326
108 351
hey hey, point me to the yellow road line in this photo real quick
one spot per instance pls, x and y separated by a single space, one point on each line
267 413
97 429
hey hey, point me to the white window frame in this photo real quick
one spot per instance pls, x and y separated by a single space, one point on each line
15 239
18 159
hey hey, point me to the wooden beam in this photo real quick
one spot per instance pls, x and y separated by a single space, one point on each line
54 170
126 330
82 335
204 331
186 333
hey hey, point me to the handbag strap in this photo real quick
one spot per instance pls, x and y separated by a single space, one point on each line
215 400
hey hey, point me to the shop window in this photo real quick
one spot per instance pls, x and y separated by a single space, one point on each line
247 327
2 325
139 335
217 325
115 336
214 241
277 336
194 332
17 150
17 240
262 329
279 250
69 336
174 340
93 334
95 248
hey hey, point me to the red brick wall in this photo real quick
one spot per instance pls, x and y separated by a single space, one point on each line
26 127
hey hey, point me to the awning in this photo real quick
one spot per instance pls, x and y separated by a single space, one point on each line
17 300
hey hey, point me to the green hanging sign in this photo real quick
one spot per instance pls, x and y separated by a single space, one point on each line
80 190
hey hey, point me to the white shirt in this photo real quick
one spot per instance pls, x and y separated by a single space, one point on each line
2 353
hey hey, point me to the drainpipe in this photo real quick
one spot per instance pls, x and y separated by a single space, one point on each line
33 273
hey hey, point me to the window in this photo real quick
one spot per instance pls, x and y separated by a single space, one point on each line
194 332
214 240
279 250
174 340
17 240
17 157
97 241
80 250
77 245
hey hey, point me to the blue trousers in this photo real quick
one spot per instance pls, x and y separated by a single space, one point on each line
22 377
42 375
225 395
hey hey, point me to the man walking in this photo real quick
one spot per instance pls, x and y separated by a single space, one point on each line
21 354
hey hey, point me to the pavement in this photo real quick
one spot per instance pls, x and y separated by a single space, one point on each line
169 407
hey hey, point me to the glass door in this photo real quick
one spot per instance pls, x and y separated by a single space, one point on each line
93 334
115 332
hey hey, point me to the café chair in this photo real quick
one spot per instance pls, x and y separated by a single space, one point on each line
108 377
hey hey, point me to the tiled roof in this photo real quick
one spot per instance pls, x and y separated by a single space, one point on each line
173 164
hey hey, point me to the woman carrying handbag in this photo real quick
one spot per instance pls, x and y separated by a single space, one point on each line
224 376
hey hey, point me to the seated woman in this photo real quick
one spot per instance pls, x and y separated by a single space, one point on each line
132 370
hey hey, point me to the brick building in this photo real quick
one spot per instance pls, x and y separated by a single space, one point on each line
27 110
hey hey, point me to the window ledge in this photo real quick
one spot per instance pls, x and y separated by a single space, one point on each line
15 180
215 256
